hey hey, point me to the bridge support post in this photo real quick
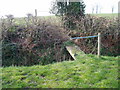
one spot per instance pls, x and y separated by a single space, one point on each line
99 44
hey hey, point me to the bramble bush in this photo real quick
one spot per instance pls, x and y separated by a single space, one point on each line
92 25
43 42
30 44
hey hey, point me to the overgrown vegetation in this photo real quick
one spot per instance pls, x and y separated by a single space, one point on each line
92 25
32 43
80 25
85 72
42 42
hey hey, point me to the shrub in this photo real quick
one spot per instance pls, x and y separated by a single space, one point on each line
40 43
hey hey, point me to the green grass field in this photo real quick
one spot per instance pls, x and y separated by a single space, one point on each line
110 15
86 72
56 19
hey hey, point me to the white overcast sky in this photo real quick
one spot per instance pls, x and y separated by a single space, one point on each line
19 8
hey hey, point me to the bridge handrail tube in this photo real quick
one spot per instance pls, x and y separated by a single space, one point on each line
84 37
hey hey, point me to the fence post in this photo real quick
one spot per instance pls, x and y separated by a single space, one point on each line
99 43
35 15
35 12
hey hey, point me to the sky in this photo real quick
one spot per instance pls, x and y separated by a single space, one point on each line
19 8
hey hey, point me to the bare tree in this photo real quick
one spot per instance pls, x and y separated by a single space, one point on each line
29 18
29 15
93 8
10 18
113 9
100 8
35 21
35 12
97 8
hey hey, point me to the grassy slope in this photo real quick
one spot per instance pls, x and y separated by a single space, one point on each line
85 72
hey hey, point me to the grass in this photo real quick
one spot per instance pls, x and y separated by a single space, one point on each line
108 15
53 19
85 72
58 20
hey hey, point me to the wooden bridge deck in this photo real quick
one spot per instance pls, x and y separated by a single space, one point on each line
74 51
